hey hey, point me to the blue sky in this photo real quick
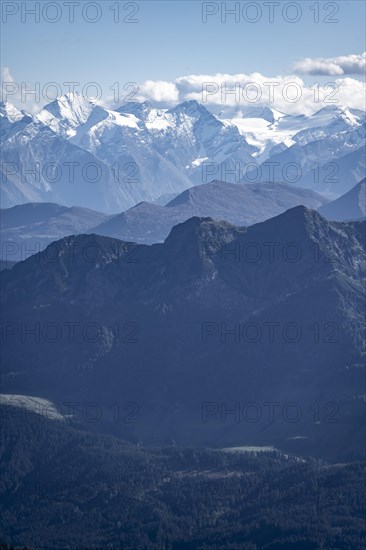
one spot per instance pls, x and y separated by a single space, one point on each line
170 40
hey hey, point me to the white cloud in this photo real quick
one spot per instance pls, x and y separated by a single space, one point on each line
6 75
332 66
352 93
9 88
10 91
288 94
159 91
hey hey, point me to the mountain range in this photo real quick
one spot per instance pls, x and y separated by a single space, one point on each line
247 317
351 206
28 228
237 204
75 152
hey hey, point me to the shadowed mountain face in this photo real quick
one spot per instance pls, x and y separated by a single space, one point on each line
28 228
220 336
239 204
351 206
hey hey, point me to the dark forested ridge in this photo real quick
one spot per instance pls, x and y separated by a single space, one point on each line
64 488
130 453
219 318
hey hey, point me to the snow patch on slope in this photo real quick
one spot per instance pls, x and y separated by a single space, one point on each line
36 405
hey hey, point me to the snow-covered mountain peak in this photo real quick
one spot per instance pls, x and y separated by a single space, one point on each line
123 119
143 151
251 112
158 120
272 131
191 108
72 106
329 121
9 111
140 110
333 113
154 119
67 112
